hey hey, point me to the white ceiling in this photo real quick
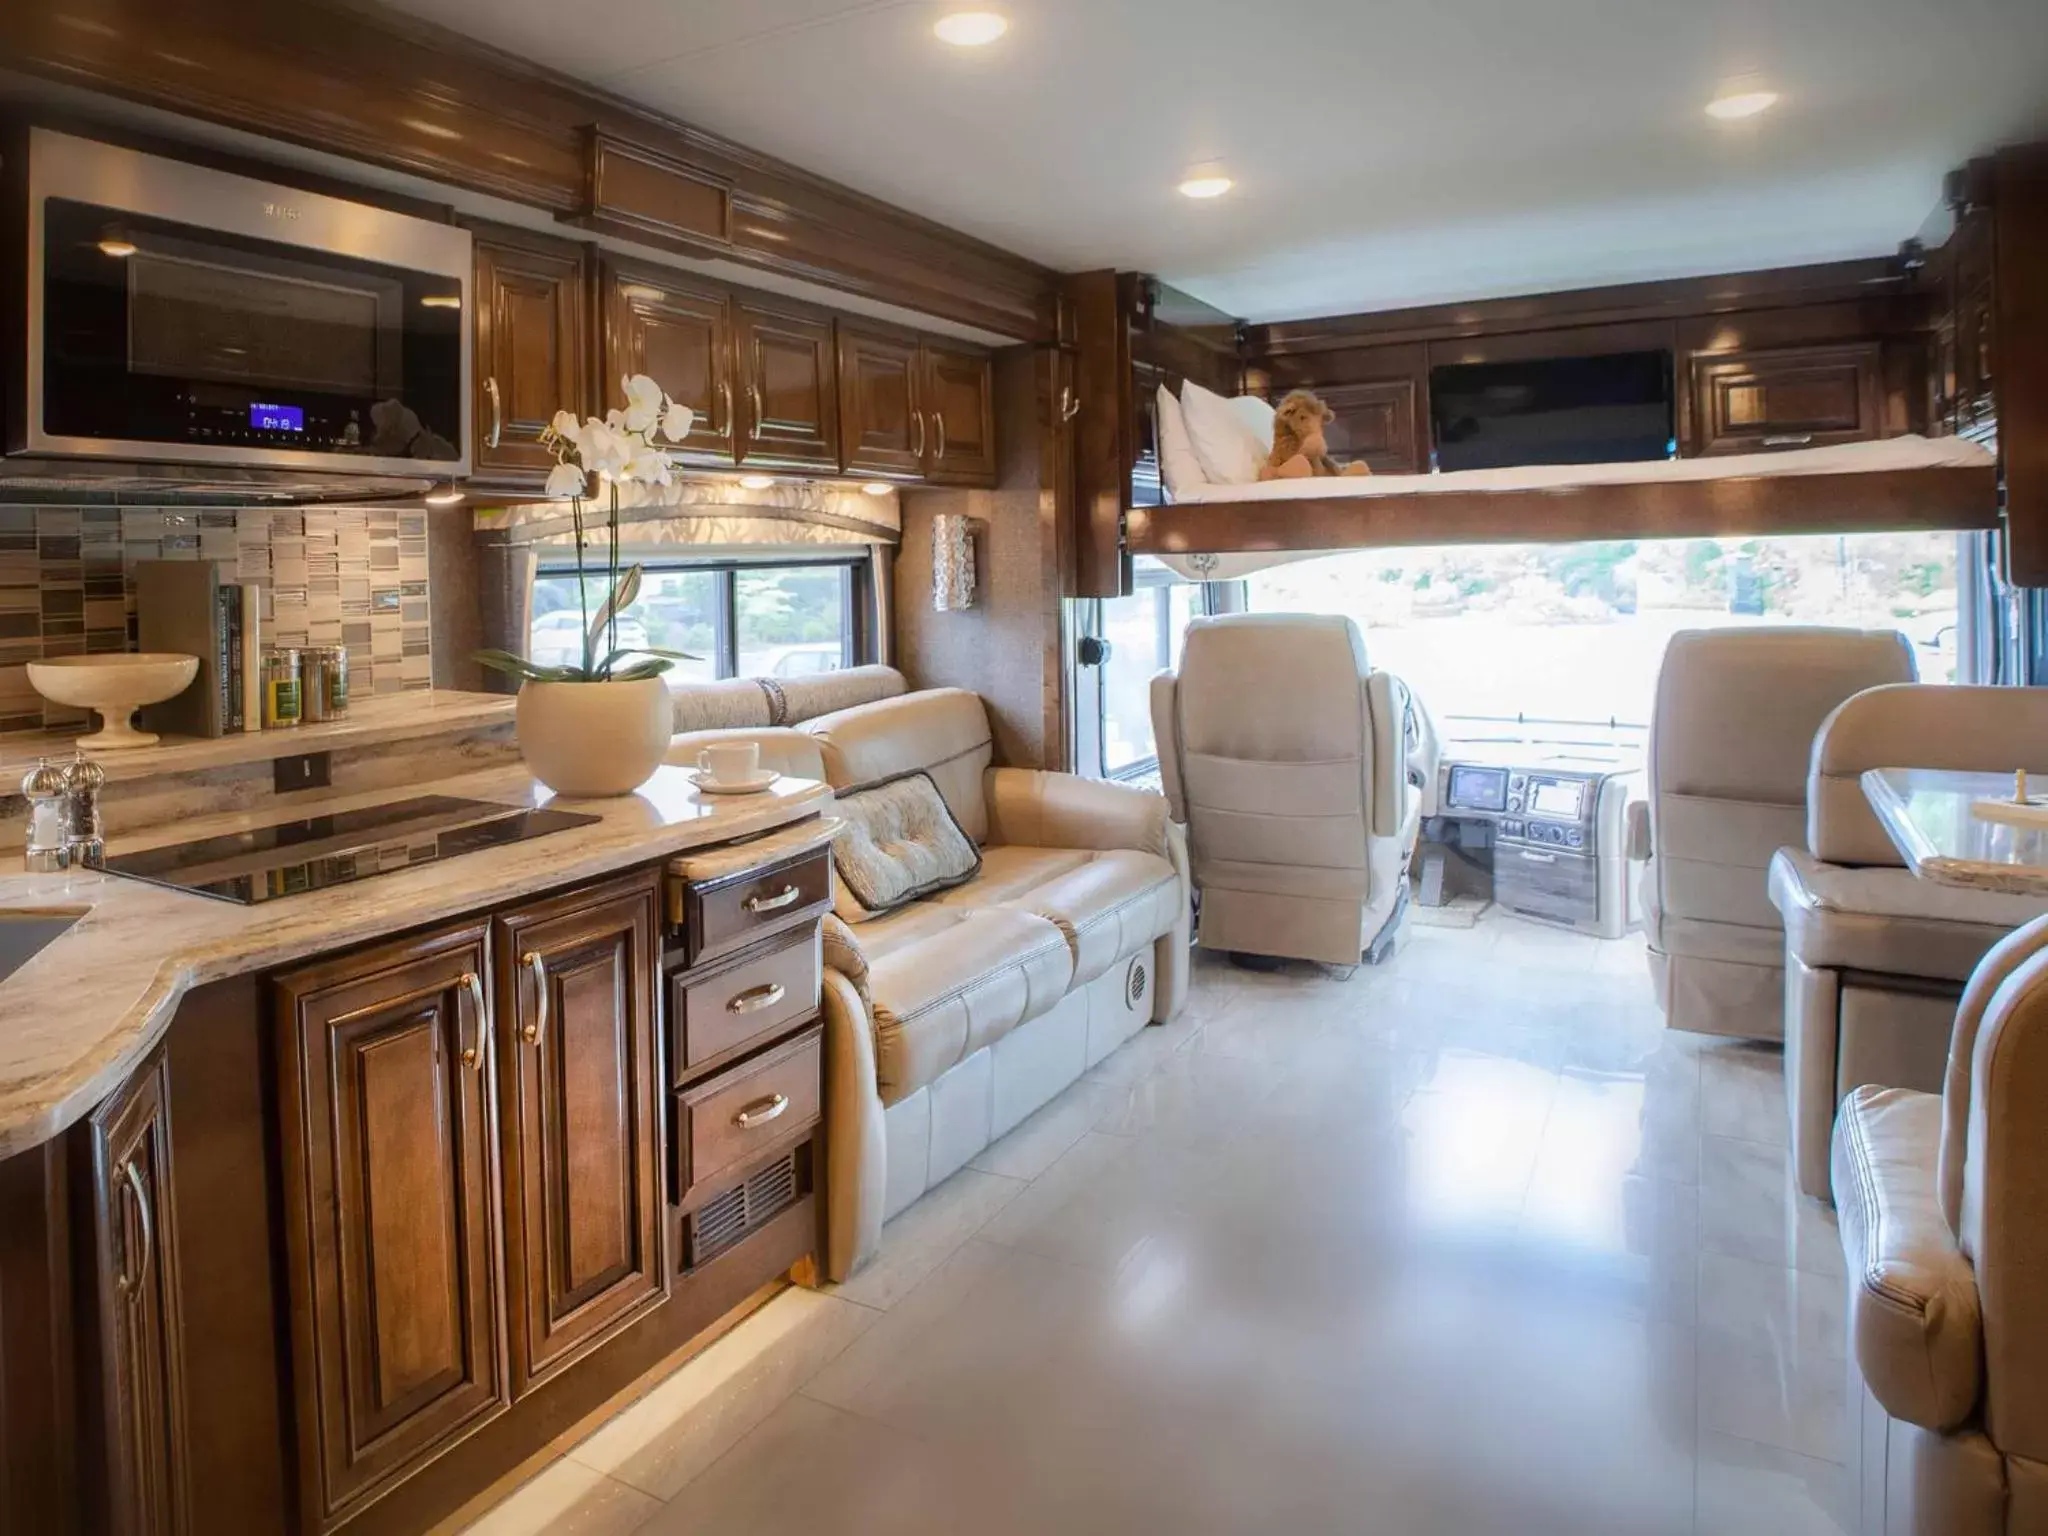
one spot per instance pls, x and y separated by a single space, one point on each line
1386 154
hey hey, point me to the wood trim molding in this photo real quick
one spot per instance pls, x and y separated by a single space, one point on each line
349 77
1757 505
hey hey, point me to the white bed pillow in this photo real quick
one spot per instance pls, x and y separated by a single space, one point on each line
1226 434
1178 466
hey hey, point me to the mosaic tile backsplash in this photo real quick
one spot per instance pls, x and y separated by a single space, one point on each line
329 576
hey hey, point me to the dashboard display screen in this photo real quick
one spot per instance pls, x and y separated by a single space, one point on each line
1479 789
277 418
1558 800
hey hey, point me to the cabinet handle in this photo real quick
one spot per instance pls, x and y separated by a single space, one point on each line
917 420
939 432
761 1111
760 413
475 1054
1788 440
497 409
725 393
754 999
1070 403
539 1027
775 903
124 1284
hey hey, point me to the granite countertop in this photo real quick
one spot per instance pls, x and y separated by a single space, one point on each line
1930 815
79 1015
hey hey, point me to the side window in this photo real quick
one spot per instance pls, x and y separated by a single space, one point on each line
737 620
1145 632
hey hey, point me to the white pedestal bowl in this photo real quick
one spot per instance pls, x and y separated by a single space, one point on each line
116 685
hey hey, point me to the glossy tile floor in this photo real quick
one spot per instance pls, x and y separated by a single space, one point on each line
1464 1244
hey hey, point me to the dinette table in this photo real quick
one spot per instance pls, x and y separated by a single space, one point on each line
1931 815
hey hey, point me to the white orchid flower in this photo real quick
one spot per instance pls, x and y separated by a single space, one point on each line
677 421
643 402
605 450
565 480
566 427
648 467
615 419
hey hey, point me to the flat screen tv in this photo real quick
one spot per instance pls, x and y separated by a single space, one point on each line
1559 410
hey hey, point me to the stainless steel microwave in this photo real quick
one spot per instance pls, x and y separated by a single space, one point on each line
180 315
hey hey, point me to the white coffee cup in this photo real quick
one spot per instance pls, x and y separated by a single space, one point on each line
730 762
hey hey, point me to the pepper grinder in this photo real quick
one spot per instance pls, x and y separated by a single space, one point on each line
43 788
84 842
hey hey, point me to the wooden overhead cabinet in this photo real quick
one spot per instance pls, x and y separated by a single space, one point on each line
911 410
389 1124
580 1119
787 388
1788 397
679 334
533 350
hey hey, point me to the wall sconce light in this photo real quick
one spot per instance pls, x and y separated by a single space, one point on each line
952 562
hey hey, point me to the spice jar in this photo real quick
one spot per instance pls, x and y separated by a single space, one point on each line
325 679
283 697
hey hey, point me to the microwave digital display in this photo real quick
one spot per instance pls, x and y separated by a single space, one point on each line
277 418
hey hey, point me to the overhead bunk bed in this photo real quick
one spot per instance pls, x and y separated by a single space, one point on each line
1137 336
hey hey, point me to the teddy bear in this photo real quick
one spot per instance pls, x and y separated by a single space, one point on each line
1299 450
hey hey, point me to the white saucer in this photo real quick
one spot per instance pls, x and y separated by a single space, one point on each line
711 786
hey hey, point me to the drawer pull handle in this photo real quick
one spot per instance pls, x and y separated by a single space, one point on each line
754 999
534 962
761 1111
1788 440
475 1054
775 903
127 1285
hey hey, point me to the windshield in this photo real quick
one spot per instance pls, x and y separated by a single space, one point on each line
1574 633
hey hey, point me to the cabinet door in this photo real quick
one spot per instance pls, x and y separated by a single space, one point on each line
386 1068
681 337
959 407
789 397
879 433
142 1372
1375 422
581 1117
533 350
1790 397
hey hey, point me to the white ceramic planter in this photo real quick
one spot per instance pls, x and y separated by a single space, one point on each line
589 740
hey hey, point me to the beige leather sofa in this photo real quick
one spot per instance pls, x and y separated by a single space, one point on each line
1941 1203
1285 757
949 1021
1731 734
1875 956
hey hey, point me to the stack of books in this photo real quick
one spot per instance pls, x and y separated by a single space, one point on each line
185 606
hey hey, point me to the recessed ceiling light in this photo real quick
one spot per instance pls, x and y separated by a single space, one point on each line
1208 184
1737 104
971 29
446 494
756 482
877 488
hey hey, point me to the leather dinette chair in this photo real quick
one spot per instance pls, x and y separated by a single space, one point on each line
1875 955
1942 1199
1731 733
1286 757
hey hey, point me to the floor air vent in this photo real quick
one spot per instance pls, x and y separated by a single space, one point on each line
727 1218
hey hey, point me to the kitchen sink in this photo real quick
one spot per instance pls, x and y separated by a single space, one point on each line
24 933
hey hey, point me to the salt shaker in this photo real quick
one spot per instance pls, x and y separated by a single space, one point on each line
84 843
43 788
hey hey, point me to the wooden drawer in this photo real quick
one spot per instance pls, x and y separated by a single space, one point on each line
723 1123
722 917
742 1005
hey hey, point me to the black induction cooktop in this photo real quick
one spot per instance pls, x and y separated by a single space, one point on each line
340 847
